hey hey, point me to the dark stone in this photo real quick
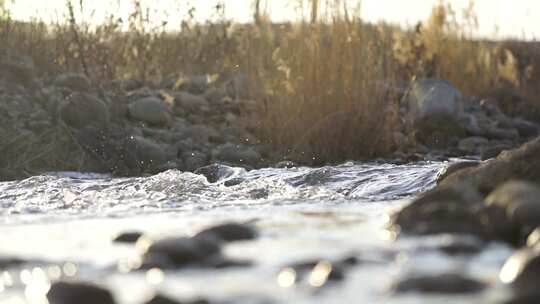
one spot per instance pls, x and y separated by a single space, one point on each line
229 232
444 283
181 252
128 237
233 182
215 172
78 293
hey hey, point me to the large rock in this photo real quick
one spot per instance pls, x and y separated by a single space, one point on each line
180 251
519 164
434 106
443 210
150 110
81 109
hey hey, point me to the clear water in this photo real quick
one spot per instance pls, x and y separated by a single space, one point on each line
66 221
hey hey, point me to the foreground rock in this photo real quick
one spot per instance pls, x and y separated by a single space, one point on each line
202 250
519 164
80 293
229 232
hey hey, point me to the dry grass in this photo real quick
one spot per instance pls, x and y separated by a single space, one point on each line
327 88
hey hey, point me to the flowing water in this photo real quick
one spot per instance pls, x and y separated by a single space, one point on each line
64 223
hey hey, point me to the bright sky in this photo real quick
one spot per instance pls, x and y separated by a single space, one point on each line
500 18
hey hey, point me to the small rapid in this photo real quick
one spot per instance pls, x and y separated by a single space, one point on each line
333 213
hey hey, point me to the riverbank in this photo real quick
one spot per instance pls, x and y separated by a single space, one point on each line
313 92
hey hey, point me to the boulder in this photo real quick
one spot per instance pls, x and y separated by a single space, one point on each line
455 209
180 251
434 106
151 110
229 232
73 81
454 167
518 164
82 109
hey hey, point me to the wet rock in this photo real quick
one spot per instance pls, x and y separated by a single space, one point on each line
128 237
233 182
80 293
215 172
81 109
519 164
151 110
493 132
443 210
444 284
473 145
180 251
73 81
454 167
161 299
521 200
434 107
522 271
230 232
